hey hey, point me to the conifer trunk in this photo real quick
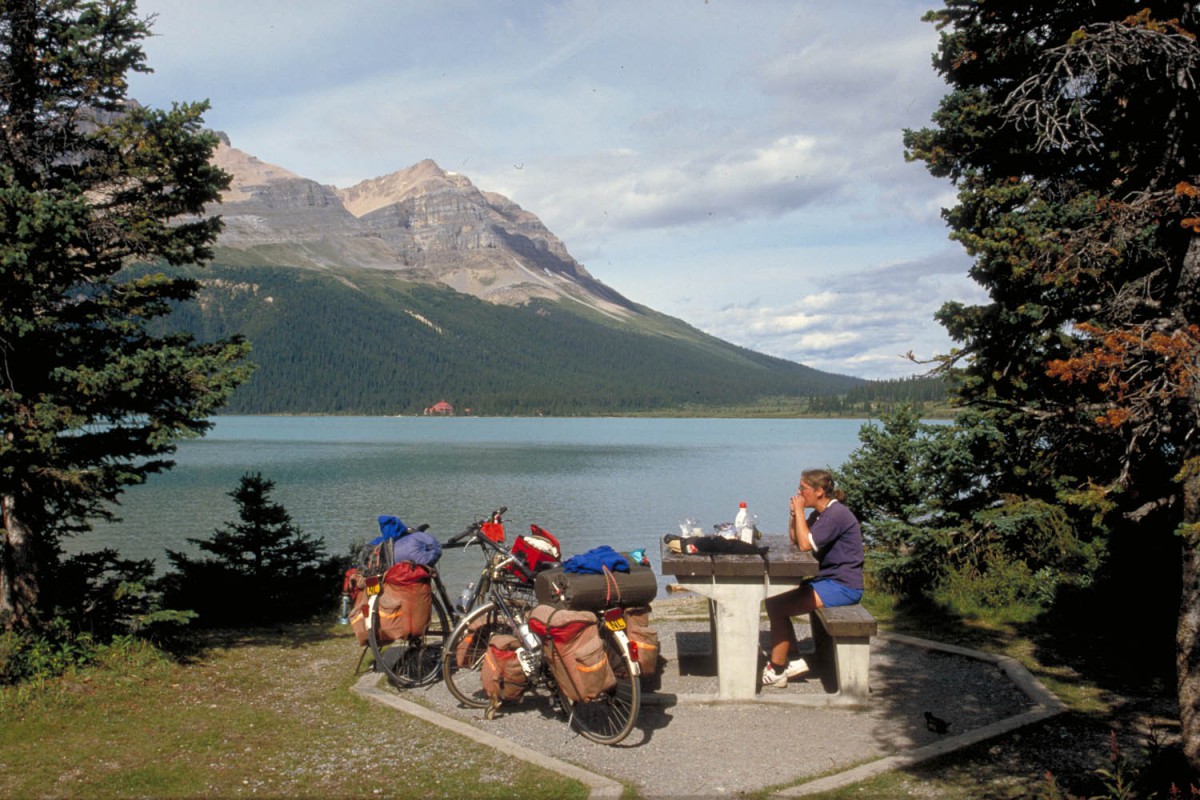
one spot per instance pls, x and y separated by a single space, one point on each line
18 576
1187 638
1187 633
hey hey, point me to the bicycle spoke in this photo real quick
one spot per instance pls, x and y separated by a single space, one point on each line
610 718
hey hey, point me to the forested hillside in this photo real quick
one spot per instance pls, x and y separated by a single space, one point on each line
365 342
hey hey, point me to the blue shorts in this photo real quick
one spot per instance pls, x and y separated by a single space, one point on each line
833 593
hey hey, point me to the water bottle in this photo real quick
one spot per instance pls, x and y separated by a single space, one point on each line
528 638
742 527
525 659
464 599
344 616
530 645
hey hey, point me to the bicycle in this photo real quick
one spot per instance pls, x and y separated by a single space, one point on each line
416 660
606 719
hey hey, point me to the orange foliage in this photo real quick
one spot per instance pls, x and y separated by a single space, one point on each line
1113 418
1142 20
1117 366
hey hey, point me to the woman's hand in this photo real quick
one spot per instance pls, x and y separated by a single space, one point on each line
797 506
795 513
798 526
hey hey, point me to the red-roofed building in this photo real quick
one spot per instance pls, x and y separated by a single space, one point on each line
440 408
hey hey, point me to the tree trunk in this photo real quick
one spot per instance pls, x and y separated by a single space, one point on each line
1187 637
18 576
1187 634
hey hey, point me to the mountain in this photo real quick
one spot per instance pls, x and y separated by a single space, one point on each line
427 224
417 287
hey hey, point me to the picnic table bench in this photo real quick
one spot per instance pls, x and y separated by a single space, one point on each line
736 586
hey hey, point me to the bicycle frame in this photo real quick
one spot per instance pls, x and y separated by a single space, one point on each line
606 719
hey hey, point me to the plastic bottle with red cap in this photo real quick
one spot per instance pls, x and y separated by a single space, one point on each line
743 524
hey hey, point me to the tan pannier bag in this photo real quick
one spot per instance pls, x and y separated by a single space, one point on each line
501 673
575 651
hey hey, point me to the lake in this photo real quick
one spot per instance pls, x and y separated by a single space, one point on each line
591 481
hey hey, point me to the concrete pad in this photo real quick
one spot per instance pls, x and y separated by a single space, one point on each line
688 745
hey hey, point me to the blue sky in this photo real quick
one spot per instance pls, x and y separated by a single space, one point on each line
738 165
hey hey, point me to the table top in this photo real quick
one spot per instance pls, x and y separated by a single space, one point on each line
782 560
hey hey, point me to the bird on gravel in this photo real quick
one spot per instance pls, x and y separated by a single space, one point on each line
935 724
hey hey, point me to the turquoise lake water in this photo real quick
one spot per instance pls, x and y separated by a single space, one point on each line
621 482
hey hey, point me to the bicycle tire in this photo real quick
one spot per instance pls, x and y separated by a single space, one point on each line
414 661
464 681
609 718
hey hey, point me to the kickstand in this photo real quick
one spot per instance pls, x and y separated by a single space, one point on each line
571 732
361 656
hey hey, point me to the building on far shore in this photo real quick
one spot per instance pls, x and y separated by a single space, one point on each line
440 409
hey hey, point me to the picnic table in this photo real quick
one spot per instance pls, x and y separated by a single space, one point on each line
736 586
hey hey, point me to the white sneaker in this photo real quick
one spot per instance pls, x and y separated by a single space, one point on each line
771 678
796 668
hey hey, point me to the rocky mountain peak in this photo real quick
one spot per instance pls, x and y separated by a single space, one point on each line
247 171
432 225
424 177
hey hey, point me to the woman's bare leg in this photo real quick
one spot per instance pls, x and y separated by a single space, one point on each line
780 610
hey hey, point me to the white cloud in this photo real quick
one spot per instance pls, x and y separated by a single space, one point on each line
736 165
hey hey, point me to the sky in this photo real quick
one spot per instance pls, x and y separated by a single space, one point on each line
738 165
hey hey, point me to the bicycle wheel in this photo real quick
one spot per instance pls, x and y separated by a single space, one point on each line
414 661
610 717
463 654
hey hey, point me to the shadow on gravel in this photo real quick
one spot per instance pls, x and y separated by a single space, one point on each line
1096 638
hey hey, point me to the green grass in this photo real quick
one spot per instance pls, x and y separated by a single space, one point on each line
271 713
267 713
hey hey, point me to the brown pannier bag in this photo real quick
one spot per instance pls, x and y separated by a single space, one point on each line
501 673
575 650
637 626
358 617
354 585
469 647
406 603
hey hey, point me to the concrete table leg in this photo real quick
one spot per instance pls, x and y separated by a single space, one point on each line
853 656
735 611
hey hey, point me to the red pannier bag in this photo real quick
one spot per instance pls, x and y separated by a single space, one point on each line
576 653
406 602
501 673
538 550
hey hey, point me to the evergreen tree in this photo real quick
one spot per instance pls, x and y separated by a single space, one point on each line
90 400
1072 132
264 569
937 511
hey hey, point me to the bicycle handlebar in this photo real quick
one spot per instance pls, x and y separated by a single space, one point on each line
473 529
472 535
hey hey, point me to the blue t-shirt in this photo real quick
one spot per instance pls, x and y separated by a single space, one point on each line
839 544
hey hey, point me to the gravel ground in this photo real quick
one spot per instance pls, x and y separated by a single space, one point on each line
682 747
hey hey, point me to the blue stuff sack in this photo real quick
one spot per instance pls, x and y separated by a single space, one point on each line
408 544
596 560
389 528
418 547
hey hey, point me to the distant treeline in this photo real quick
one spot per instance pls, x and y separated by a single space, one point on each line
366 343
927 397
